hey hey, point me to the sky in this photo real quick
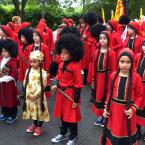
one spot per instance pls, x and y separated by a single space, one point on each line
75 4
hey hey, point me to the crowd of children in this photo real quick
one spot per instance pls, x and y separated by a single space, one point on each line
112 58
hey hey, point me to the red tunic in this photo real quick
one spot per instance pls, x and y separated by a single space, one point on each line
141 113
118 134
50 42
8 90
95 46
116 42
88 43
137 44
99 74
24 61
68 80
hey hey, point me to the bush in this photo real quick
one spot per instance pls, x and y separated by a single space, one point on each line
33 14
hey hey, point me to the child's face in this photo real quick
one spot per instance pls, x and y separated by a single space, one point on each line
108 27
23 39
65 56
83 25
103 40
130 31
36 38
143 47
5 53
124 64
35 64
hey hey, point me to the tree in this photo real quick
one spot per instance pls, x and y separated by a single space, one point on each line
20 7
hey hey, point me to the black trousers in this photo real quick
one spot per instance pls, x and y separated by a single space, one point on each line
38 123
73 127
10 112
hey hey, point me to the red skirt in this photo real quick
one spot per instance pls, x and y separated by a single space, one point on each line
8 94
117 132
100 94
63 107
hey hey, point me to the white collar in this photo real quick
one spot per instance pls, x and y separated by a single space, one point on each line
4 62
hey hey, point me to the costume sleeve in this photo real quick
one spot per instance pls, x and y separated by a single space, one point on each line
78 82
117 42
138 94
113 61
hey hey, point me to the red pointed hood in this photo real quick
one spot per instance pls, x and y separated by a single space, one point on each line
114 24
11 25
24 25
136 27
42 26
7 30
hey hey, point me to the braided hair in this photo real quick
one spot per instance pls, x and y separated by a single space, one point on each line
42 89
25 87
140 59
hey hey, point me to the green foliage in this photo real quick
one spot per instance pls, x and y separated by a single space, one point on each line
33 13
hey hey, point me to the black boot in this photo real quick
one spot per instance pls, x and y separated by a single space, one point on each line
138 134
85 76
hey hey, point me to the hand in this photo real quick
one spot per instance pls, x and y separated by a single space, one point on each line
53 88
129 113
32 98
106 113
75 105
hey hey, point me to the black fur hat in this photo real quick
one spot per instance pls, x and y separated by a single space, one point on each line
72 44
27 33
73 30
10 46
90 18
97 29
124 20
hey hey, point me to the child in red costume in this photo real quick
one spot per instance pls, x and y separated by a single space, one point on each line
26 37
69 78
116 42
8 78
134 40
104 63
125 97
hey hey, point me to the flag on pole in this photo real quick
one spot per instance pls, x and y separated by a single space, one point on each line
141 13
103 15
112 15
119 10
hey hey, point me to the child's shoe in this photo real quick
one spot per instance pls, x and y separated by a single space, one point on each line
144 138
11 120
31 129
2 117
99 121
72 142
38 131
58 138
